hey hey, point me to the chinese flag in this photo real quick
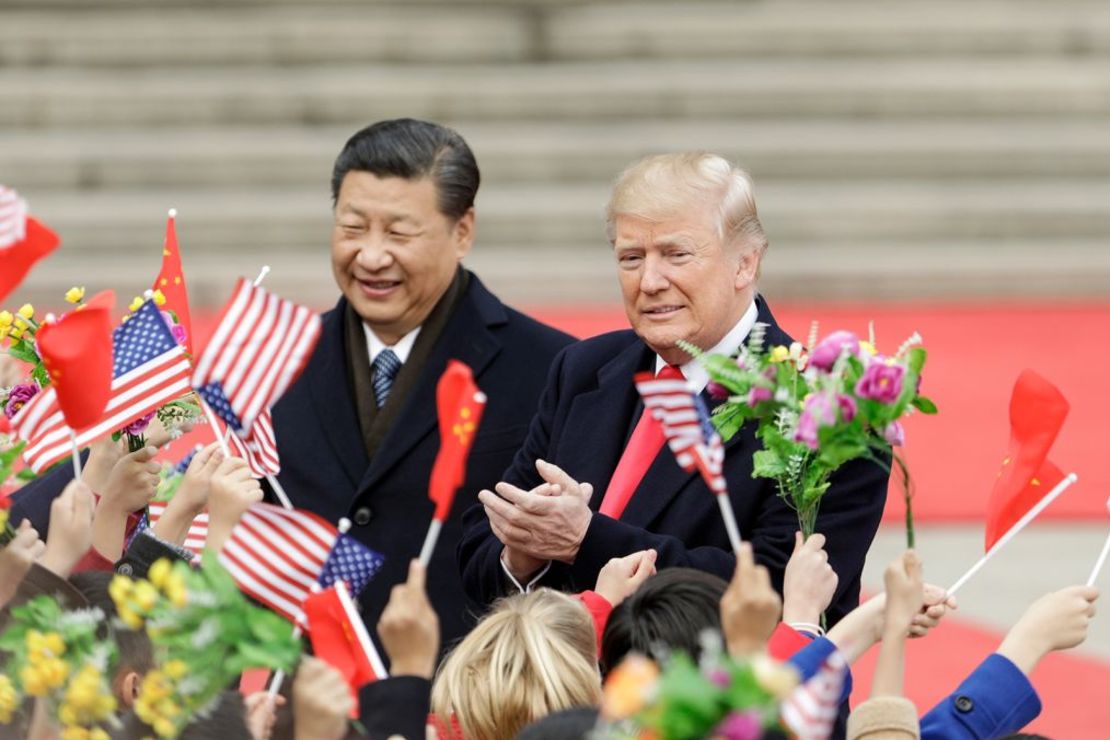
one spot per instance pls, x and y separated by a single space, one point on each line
23 241
460 405
171 281
1037 412
77 353
339 638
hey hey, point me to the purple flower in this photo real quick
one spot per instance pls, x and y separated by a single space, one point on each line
819 411
759 395
881 382
847 406
179 333
740 726
895 434
139 426
18 397
719 677
825 354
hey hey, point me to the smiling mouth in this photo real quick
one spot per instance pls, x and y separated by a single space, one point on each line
379 284
661 312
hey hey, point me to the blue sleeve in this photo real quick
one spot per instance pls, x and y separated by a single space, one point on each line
995 700
33 500
809 660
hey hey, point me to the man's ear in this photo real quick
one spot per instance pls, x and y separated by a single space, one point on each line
129 688
463 234
747 269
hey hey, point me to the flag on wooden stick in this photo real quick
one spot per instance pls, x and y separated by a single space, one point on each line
259 348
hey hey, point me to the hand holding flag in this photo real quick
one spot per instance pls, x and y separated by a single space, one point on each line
409 627
460 405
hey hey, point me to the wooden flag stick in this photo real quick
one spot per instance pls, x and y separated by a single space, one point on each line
730 522
430 542
76 455
1012 532
211 416
279 491
279 676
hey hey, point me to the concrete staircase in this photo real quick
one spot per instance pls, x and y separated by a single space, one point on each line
942 150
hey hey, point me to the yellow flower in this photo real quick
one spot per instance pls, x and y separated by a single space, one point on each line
159 298
158 572
55 644
868 348
175 669
99 734
777 678
16 333
136 303
75 733
130 619
9 700
120 588
780 354
164 727
6 319
32 680
27 311
75 294
145 596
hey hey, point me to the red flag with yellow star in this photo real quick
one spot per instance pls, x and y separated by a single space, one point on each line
171 281
77 352
460 406
1037 412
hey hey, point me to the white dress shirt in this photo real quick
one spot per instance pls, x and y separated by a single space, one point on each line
403 347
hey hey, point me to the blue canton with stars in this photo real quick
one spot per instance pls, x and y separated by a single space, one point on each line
182 466
353 562
140 339
213 394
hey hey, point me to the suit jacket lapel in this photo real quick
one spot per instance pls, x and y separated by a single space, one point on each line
466 337
664 480
331 397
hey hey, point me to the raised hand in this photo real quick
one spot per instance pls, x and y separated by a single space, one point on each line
1056 621
809 582
71 534
620 577
16 559
322 702
409 627
750 608
232 492
191 496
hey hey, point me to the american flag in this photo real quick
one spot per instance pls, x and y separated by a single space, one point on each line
13 217
258 447
280 556
686 427
198 530
259 348
149 369
811 709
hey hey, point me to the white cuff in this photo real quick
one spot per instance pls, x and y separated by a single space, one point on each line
531 584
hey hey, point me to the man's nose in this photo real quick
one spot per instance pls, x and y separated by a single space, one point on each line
654 277
373 255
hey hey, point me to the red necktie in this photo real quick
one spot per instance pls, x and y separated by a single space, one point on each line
643 446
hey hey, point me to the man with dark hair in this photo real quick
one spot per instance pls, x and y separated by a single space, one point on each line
357 432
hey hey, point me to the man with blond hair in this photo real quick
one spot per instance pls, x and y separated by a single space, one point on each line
593 480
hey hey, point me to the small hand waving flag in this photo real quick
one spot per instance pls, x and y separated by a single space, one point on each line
691 437
340 639
149 369
1037 413
171 280
259 348
76 351
23 241
459 404
279 556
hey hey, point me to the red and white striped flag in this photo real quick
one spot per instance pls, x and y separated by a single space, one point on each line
149 369
258 447
198 530
686 427
260 346
811 709
13 217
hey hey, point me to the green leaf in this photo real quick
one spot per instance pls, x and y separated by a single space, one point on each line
924 405
916 360
22 350
767 464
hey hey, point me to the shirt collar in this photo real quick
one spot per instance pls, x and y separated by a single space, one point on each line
693 371
402 348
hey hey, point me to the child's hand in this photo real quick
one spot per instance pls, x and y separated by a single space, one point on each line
232 491
16 559
409 627
192 494
132 482
262 713
71 534
620 577
904 593
809 582
750 608
1056 621
322 702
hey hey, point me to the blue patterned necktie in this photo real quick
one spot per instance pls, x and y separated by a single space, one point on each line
384 367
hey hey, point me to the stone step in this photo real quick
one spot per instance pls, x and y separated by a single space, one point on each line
906 88
219 221
239 33
815 149
585 274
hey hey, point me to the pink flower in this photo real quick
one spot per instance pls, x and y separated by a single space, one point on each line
716 391
825 354
740 726
179 333
758 395
719 677
819 411
139 426
18 397
895 434
847 406
881 382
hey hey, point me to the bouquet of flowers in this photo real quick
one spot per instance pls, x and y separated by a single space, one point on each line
720 698
815 412
204 632
59 656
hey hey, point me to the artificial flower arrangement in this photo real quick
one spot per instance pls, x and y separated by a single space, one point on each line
816 411
721 697
204 632
59 656
20 329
